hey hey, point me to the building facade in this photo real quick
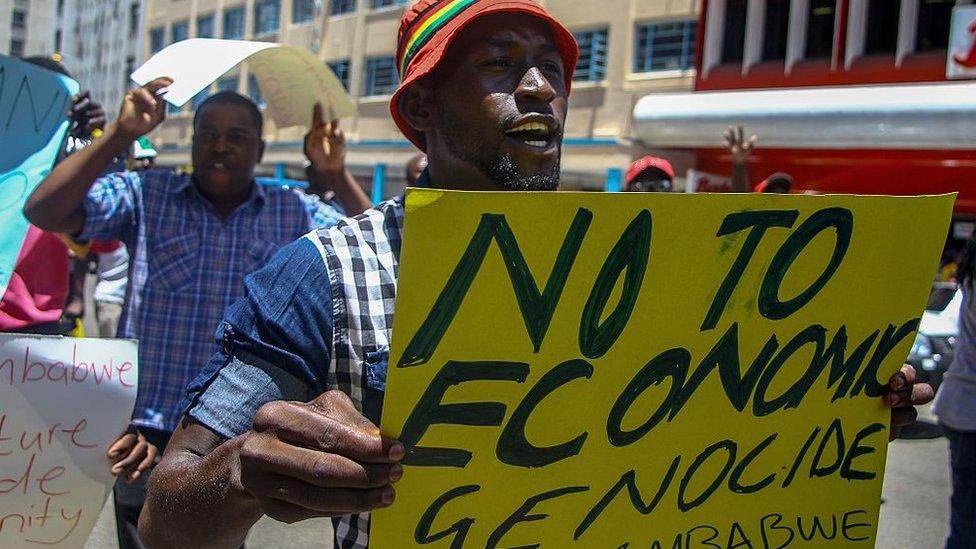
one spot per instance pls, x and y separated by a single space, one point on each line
846 96
25 27
629 49
100 42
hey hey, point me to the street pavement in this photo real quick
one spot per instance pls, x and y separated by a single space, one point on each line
913 516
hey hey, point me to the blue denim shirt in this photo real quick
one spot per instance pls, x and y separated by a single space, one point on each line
275 343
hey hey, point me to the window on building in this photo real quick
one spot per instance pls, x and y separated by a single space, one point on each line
377 4
157 39
339 7
205 26
266 16
820 29
665 46
934 18
180 31
19 19
133 19
233 23
776 30
734 35
302 10
881 37
16 47
381 76
592 63
254 92
341 70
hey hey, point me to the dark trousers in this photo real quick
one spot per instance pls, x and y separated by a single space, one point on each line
962 513
129 498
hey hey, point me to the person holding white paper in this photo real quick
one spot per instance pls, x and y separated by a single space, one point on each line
191 240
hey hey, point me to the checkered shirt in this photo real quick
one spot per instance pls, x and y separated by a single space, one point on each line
362 256
187 265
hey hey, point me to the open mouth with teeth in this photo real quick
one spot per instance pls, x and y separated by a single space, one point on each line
533 134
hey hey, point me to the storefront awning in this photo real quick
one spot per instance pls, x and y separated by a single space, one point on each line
935 116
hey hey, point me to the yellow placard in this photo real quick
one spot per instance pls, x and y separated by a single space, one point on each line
649 370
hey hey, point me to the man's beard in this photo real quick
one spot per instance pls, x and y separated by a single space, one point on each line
498 166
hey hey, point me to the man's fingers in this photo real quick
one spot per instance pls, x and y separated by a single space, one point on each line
121 445
328 501
334 131
752 141
902 379
289 513
144 100
317 468
158 84
329 423
81 105
922 393
317 118
136 454
148 460
143 466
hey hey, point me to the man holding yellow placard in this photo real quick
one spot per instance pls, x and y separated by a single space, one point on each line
284 421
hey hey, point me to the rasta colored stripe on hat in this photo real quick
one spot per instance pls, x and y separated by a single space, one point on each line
437 18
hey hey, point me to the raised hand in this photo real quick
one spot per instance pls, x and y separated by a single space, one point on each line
738 145
325 144
142 109
315 459
86 114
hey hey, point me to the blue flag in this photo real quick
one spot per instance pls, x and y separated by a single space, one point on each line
33 123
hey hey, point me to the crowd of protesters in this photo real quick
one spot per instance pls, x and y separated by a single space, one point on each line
180 255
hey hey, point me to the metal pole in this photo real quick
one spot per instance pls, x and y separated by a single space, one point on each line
379 178
615 177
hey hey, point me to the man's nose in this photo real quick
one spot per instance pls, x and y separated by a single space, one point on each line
534 86
220 143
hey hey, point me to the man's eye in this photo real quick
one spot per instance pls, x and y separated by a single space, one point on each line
501 62
549 66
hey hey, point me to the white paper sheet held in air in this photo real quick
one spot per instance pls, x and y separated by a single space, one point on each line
291 79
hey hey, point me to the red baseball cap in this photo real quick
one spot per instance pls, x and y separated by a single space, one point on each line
428 28
773 182
647 163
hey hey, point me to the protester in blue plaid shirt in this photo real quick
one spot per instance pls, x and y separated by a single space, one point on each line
192 239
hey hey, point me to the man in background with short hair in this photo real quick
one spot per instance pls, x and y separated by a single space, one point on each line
191 240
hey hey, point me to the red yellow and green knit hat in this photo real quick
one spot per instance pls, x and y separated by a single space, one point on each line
428 28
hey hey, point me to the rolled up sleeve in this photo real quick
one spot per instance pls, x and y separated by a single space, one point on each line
274 343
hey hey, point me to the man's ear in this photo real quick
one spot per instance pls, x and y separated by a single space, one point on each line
417 107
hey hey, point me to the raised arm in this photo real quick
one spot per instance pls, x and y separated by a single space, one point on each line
58 202
325 148
740 148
